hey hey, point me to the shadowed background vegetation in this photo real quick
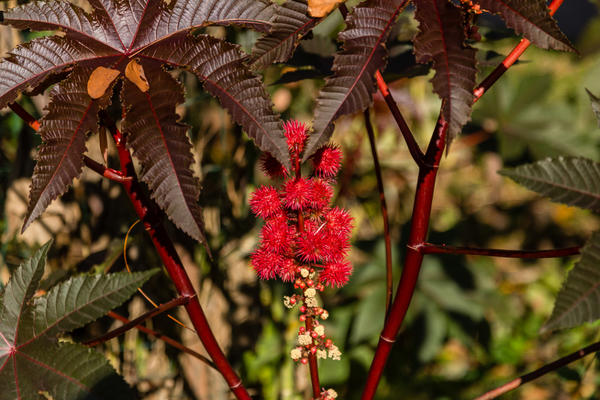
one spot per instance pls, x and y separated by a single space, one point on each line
474 322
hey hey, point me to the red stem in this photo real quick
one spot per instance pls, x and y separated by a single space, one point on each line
384 214
312 358
413 146
512 57
429 248
165 339
413 259
553 366
150 216
109 173
131 324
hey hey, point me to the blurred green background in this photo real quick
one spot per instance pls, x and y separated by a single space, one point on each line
474 321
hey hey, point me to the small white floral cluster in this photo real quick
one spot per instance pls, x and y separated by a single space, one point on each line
328 394
311 338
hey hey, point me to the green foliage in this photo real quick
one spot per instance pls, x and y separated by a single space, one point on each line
572 181
32 358
577 301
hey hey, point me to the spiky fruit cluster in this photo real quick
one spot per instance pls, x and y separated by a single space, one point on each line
304 240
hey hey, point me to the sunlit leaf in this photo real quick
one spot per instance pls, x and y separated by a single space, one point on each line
135 73
99 81
320 8
569 180
579 298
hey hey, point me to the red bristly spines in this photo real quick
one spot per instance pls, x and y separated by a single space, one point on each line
304 240
327 161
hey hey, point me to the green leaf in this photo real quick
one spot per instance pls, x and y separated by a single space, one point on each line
579 299
569 180
595 105
32 359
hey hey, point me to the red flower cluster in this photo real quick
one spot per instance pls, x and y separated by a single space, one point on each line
301 229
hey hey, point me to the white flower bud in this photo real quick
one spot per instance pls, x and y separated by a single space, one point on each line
321 354
320 329
310 292
296 353
325 315
334 352
311 302
304 340
304 272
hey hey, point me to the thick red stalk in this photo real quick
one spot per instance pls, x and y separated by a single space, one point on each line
150 216
313 365
429 248
553 366
413 259
384 214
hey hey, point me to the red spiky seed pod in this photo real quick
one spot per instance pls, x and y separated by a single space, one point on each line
327 161
336 274
265 202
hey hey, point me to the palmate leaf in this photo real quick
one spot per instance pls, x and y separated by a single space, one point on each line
113 35
441 40
569 180
530 18
219 65
32 360
579 298
352 86
290 24
71 115
161 144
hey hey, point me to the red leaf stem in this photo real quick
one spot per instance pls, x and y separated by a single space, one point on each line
165 339
510 59
106 172
413 146
384 214
553 366
133 323
413 258
25 116
147 212
430 248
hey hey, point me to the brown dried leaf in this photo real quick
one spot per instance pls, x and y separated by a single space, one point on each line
320 8
100 79
135 73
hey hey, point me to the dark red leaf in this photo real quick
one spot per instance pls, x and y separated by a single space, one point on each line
351 88
178 17
164 150
220 66
290 24
71 115
530 18
441 40
65 16
32 62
